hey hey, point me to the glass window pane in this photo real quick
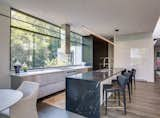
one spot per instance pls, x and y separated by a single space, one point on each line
34 28
21 47
76 51
87 51
76 37
27 18
33 41
45 51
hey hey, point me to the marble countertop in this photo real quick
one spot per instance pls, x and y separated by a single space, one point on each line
98 75
50 70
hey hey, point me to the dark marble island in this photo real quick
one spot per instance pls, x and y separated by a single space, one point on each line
84 91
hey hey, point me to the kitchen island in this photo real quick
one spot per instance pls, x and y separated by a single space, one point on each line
84 91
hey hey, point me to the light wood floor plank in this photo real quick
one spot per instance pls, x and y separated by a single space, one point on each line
145 102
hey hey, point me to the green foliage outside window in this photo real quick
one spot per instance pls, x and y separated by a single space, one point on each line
33 41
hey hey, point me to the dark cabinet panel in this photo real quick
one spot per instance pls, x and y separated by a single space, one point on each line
100 49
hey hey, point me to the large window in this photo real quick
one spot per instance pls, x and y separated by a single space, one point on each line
38 43
33 41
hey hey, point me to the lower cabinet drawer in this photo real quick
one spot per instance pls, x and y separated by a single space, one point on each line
46 78
51 89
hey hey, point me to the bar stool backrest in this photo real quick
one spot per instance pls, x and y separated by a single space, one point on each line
123 71
128 75
122 81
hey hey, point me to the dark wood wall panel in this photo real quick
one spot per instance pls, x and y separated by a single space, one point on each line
100 49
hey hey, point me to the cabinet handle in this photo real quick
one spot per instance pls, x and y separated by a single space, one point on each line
71 71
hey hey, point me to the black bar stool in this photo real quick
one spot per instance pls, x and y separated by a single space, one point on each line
120 89
129 82
114 83
128 75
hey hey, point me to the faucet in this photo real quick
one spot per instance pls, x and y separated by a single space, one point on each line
108 63
104 61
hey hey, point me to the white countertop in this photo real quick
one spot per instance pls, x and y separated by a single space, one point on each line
50 70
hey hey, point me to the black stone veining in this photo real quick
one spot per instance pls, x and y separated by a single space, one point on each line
79 97
83 92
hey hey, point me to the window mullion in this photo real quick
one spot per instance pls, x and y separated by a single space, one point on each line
33 58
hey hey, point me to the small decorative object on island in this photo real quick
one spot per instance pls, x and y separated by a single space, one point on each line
24 67
17 67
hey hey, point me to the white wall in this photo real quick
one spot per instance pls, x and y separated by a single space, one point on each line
4 46
136 51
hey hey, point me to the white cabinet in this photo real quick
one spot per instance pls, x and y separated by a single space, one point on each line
50 83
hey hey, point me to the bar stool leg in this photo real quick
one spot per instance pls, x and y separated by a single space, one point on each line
134 82
124 101
129 93
115 95
103 97
119 98
131 87
106 101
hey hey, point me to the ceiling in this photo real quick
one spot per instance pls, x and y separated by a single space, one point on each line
101 16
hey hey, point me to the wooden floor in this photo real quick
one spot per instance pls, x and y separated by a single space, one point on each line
145 102
57 100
